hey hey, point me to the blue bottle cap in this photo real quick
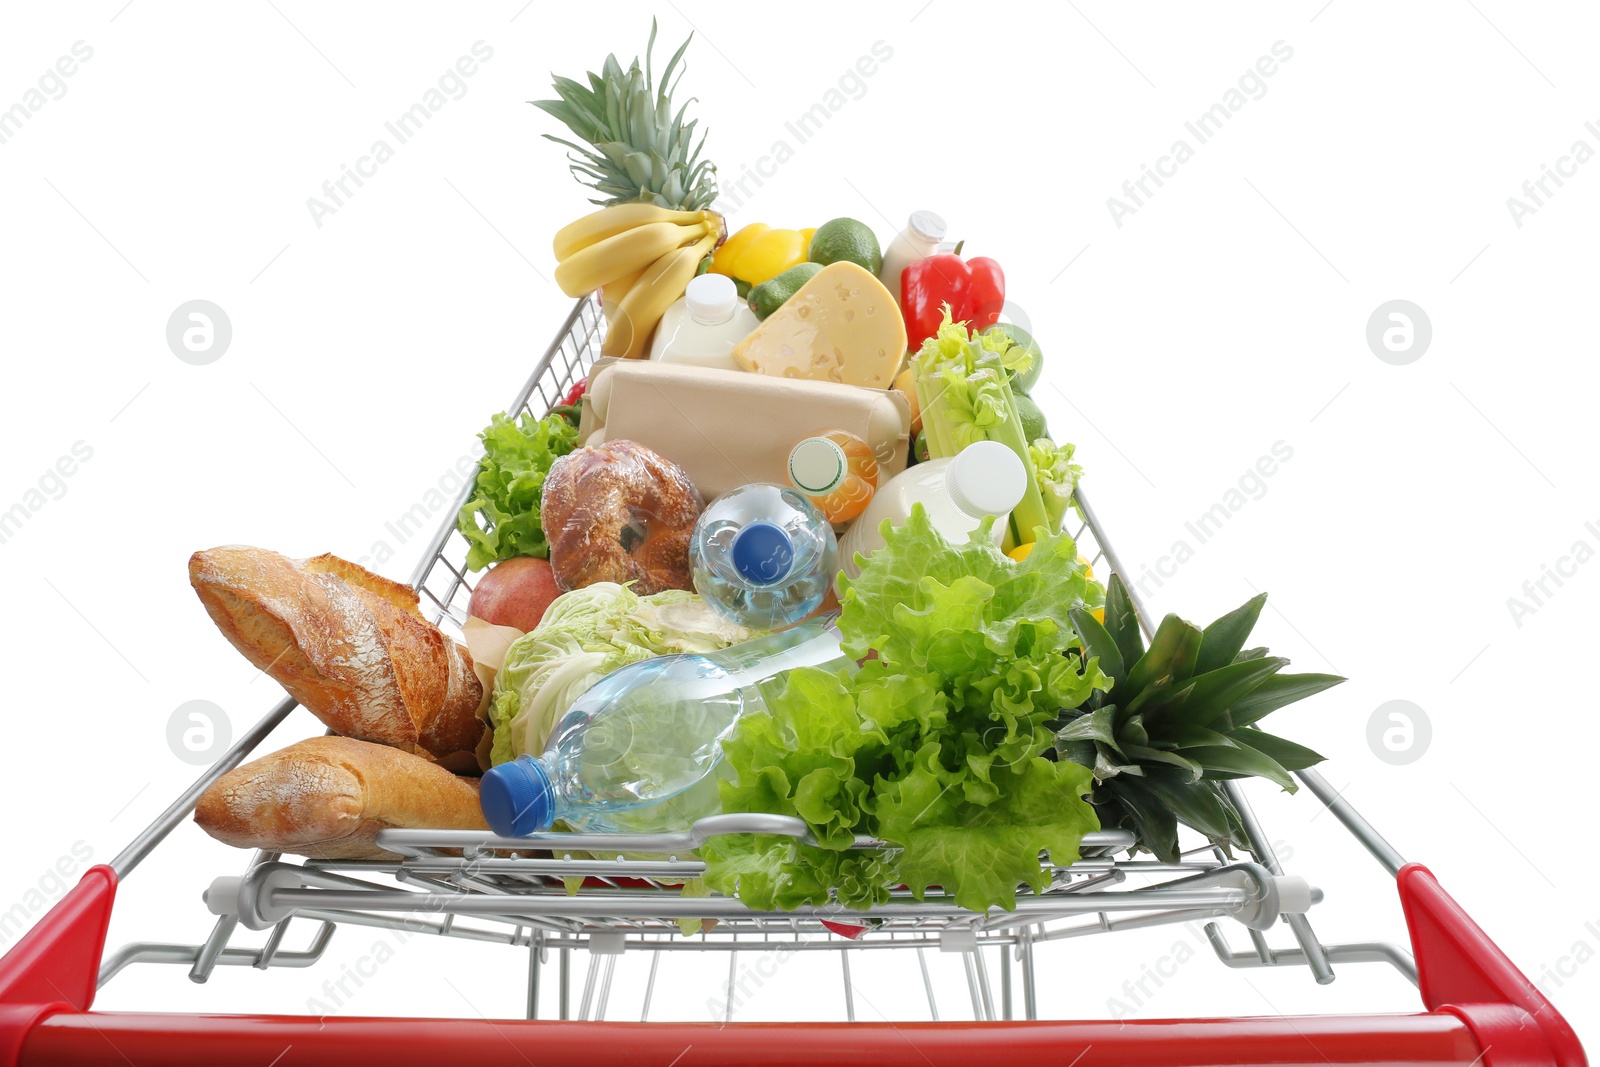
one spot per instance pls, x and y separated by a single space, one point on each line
517 798
763 553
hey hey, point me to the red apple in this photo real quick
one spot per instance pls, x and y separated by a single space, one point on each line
515 592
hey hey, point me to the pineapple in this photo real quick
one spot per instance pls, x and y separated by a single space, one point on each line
1179 720
638 148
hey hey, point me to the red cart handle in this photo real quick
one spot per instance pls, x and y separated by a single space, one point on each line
1481 1010
55 966
1462 972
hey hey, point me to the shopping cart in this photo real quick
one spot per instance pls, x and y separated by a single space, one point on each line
1478 1008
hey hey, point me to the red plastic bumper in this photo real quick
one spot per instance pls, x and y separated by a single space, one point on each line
1480 1010
66 1040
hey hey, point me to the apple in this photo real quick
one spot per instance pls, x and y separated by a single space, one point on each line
515 592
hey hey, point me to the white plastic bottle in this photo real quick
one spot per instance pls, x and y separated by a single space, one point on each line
985 478
702 327
919 240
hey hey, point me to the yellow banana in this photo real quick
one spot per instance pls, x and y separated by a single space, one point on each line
612 292
641 310
609 221
623 253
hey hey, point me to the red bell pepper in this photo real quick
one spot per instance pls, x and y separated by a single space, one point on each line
974 288
571 406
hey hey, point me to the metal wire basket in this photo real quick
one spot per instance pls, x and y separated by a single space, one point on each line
516 892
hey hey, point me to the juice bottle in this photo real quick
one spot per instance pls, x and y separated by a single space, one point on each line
837 470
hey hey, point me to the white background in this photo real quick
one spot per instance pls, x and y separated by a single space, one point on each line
1227 314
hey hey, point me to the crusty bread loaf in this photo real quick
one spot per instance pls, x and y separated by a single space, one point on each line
351 646
327 797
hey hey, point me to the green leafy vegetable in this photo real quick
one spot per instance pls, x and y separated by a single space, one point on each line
1178 721
964 388
585 635
1058 477
517 457
937 745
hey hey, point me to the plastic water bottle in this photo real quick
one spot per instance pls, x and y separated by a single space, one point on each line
640 751
837 471
763 556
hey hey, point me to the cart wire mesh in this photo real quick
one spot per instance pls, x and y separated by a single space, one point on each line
629 889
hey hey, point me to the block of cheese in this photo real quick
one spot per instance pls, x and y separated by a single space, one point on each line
841 326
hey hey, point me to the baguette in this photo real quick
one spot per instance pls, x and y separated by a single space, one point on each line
327 798
350 646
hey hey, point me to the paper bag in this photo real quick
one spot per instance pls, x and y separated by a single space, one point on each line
728 428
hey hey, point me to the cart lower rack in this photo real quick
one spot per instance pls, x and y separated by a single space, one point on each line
1477 1008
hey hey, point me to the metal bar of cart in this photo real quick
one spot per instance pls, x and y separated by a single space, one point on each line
1220 900
158 952
1354 952
1261 846
152 835
1359 827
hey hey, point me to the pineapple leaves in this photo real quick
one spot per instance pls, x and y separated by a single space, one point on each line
642 149
1171 654
1098 725
1212 694
1277 692
1122 622
1097 640
1201 806
1224 638
1178 720
1153 820
1290 756
1242 759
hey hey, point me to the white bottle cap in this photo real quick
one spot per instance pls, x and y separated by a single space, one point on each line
817 466
711 299
986 478
929 225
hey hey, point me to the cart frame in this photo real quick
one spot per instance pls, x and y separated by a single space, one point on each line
1477 1006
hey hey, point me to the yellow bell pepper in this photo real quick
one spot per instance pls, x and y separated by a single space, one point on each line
757 253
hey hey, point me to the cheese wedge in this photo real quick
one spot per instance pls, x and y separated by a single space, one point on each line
841 326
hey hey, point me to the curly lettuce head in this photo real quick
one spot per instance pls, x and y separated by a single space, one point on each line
584 636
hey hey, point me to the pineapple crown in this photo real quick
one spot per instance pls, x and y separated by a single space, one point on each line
638 149
1179 720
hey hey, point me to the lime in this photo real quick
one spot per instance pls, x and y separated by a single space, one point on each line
846 240
1024 381
1033 426
770 295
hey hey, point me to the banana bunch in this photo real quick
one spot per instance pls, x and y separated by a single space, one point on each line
642 257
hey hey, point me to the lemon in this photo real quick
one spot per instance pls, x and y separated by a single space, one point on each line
1020 553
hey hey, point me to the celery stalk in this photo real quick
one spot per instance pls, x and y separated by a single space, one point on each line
965 395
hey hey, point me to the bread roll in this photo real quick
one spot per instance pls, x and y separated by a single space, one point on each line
619 513
350 646
327 798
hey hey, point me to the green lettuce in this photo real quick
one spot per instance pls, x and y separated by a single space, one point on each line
517 457
940 744
584 636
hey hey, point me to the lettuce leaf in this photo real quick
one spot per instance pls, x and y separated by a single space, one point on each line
517 457
939 744
584 635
